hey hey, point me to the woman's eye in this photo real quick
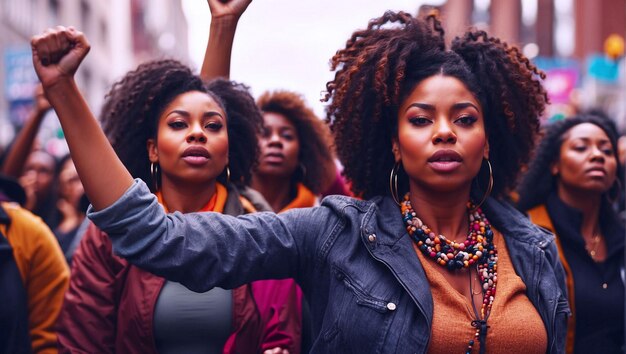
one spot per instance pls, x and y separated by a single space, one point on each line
214 126
419 121
177 124
466 120
288 136
608 152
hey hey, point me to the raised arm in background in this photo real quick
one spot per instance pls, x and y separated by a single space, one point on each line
224 17
57 54
16 158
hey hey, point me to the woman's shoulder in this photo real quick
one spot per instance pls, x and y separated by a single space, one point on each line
513 224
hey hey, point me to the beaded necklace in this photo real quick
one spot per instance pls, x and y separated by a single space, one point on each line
478 249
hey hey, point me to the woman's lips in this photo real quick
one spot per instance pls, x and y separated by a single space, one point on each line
445 161
596 172
195 160
273 158
196 155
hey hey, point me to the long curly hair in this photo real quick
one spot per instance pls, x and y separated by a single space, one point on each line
538 181
130 114
381 65
316 154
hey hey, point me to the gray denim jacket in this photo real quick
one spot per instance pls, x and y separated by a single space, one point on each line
366 287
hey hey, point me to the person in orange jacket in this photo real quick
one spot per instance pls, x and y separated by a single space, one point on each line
33 279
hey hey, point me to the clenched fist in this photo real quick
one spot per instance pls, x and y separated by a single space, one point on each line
57 54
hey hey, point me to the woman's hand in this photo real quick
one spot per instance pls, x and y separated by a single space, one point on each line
57 54
228 8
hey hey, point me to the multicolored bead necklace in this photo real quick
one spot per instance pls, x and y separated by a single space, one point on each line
478 249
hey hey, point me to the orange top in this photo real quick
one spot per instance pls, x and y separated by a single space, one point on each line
514 324
304 198
44 272
216 203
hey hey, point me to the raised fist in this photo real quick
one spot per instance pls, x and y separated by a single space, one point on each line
57 54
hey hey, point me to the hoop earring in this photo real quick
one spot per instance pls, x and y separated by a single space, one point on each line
154 173
489 187
614 199
227 174
302 171
393 182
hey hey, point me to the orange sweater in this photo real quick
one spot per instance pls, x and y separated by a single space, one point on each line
43 270
514 324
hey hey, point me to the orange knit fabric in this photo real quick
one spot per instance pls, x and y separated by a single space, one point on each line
44 272
216 203
514 324
304 198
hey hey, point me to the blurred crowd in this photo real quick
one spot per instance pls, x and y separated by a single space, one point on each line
67 290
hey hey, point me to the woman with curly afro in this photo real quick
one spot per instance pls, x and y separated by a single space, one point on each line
569 189
195 146
429 260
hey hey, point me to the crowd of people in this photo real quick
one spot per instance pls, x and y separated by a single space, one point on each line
433 212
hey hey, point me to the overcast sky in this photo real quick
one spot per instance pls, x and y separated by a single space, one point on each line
287 44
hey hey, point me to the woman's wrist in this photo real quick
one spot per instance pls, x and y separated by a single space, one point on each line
224 22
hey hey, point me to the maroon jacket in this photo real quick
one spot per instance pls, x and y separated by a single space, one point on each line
109 308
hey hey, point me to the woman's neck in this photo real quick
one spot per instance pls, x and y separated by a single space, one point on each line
587 202
187 198
444 213
275 190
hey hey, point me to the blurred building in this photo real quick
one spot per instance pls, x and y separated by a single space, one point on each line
122 33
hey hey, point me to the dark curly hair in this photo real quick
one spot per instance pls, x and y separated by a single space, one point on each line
130 114
538 181
316 153
381 65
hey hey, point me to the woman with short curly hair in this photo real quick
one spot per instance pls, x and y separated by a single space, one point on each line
430 261
195 145
569 189
296 161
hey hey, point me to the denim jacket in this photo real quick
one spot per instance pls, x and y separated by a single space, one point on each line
353 259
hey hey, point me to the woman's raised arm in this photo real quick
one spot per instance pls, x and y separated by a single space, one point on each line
57 54
224 17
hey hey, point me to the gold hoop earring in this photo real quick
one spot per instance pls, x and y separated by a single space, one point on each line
393 182
489 187
227 174
154 173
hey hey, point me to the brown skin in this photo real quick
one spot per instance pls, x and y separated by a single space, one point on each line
280 149
37 178
57 54
23 145
191 120
224 18
70 192
442 114
587 168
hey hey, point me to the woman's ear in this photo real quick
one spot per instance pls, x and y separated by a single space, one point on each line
153 152
554 169
395 149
